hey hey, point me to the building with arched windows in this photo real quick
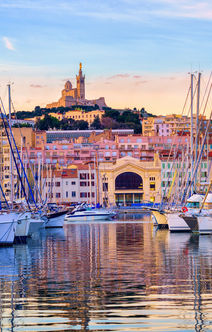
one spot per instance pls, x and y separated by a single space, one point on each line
128 181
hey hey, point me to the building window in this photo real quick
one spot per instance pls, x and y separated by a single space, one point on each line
57 195
105 186
152 179
57 184
83 195
66 183
73 193
152 186
73 183
83 183
82 175
66 194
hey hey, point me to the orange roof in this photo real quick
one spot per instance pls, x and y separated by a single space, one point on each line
62 173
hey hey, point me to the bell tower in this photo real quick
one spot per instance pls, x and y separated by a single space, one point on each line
80 83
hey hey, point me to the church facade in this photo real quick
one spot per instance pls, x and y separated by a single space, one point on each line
76 96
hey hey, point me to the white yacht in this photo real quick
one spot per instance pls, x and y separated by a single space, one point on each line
8 223
180 220
82 213
36 223
191 218
27 224
55 219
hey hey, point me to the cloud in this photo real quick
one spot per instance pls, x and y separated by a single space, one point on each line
36 86
8 44
137 76
140 82
171 78
119 76
120 10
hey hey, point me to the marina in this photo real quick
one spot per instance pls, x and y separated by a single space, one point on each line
118 275
105 166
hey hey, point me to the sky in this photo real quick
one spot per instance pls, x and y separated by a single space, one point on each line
135 53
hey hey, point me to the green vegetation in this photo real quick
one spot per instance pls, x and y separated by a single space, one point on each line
50 122
21 125
112 119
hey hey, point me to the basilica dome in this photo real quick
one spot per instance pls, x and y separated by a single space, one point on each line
68 86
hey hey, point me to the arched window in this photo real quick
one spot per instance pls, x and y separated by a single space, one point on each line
128 180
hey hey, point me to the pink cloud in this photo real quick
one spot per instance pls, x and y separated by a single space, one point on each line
119 76
36 86
140 82
171 78
137 76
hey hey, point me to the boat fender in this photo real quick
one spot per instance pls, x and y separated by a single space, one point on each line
184 209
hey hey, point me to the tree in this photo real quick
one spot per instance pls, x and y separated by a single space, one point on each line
111 113
109 123
96 124
49 122
128 116
81 125
37 111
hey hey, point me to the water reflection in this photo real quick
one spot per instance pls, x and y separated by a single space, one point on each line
107 277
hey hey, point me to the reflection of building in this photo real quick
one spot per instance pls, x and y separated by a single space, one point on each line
76 96
128 180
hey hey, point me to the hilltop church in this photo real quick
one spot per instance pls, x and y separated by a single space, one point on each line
76 96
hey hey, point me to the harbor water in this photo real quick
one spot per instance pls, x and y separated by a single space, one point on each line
119 275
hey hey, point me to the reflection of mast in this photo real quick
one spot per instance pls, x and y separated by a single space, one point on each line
197 296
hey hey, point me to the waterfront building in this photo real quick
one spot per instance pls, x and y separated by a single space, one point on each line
170 125
30 122
76 96
59 135
59 150
129 181
125 181
80 114
76 184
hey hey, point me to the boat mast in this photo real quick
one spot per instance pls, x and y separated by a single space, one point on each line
11 157
191 133
197 125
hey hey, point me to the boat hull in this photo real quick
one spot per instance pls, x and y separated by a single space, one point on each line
22 229
159 219
55 221
72 218
176 223
200 224
8 226
35 226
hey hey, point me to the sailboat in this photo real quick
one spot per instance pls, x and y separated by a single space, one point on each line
177 219
21 219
